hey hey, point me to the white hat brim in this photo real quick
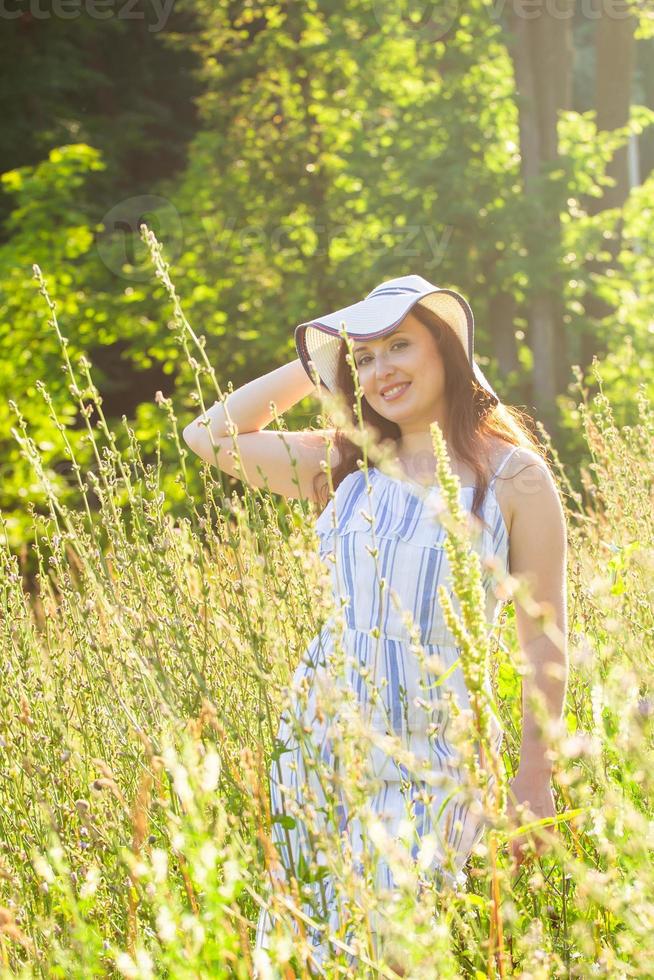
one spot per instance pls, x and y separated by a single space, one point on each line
319 340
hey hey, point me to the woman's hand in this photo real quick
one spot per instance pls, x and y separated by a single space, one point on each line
533 790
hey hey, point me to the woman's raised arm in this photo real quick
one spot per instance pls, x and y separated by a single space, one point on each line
249 405
284 462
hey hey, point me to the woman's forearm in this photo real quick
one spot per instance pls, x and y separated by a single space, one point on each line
249 405
548 678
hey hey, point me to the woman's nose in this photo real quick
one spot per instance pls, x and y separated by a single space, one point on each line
383 365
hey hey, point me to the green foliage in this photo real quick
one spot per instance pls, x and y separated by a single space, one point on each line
51 224
334 147
101 75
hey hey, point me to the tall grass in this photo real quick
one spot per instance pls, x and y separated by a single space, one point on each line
142 690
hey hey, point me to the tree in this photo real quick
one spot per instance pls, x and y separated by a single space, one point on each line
542 55
615 51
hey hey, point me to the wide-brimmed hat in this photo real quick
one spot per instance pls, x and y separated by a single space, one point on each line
380 312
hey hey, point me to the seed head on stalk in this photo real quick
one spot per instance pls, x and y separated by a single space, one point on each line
468 625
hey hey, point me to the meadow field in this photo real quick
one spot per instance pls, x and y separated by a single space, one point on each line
145 667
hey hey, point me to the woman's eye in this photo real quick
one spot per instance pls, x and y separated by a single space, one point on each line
398 343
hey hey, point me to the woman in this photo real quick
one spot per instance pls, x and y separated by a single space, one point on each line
413 348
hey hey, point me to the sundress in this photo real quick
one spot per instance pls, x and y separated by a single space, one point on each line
403 546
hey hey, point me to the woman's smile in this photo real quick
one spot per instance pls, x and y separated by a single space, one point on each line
390 370
392 394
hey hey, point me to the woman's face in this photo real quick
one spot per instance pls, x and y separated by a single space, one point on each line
408 360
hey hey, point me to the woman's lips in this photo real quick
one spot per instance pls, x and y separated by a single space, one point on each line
397 394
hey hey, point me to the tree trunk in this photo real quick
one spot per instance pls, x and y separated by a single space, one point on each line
501 315
615 47
615 51
540 45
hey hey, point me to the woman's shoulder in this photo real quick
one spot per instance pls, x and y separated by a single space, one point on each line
524 479
511 458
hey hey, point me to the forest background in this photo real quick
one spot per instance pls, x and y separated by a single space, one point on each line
289 157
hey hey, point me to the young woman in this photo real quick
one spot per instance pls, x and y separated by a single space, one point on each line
413 347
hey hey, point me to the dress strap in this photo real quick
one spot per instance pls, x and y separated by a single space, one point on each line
503 463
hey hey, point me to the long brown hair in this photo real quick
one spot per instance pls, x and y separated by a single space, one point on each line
472 418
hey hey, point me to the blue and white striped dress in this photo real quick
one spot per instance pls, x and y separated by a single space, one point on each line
385 566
